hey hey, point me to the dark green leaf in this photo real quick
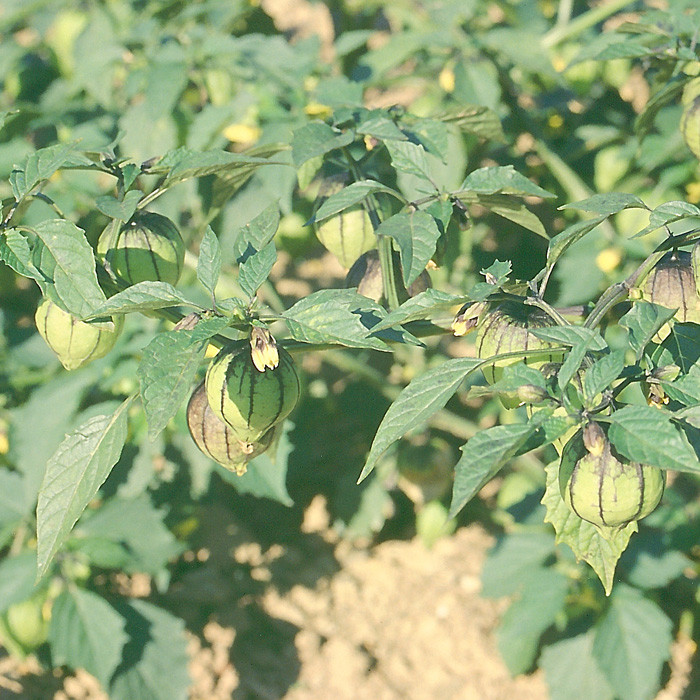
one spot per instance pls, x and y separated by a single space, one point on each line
416 235
209 261
257 234
508 206
498 179
645 434
72 264
608 203
417 402
349 196
642 322
142 296
116 209
253 272
154 662
315 139
483 456
73 475
632 643
86 632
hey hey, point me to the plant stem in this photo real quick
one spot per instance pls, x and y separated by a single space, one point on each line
386 256
561 32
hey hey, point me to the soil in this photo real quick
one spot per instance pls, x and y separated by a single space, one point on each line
322 618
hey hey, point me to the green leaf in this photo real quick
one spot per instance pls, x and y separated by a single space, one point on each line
539 603
572 671
416 235
349 196
183 164
154 662
681 347
509 207
483 456
418 401
667 213
315 139
572 335
40 166
645 434
478 120
632 643
86 632
255 250
73 475
166 374
16 252
336 316
122 210
514 558
209 261
600 550
266 476
570 235
142 296
411 158
607 204
432 134
13 505
602 373
498 179
72 266
122 522
642 322
377 124
17 578
429 304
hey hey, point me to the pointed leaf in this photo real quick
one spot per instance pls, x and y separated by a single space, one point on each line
642 322
602 372
409 158
608 203
40 166
483 456
315 139
570 235
502 179
16 252
416 235
209 260
86 632
417 402
666 214
122 210
349 196
430 304
585 539
645 434
73 475
72 264
142 296
336 316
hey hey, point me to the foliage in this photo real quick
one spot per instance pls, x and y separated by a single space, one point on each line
517 158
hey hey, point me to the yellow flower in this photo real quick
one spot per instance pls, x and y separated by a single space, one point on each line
446 79
241 133
263 349
316 109
608 260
